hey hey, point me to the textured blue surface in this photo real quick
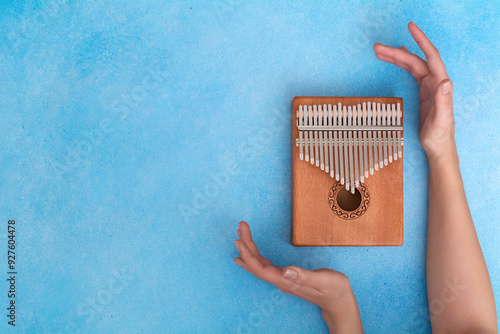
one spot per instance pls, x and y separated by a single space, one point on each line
186 105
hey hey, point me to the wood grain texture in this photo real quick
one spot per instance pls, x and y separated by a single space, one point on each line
313 221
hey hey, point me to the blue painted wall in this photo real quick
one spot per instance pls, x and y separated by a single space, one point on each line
135 135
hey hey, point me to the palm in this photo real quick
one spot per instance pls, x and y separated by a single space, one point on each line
322 287
427 87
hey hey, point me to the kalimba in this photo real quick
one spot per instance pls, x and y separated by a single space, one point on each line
347 171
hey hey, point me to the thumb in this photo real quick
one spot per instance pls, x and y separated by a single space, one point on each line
443 100
303 276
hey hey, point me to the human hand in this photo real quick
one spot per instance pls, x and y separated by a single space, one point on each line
437 129
326 288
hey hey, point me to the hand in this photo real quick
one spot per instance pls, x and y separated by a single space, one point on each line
437 129
326 288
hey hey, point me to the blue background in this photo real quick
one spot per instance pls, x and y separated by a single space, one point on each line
186 105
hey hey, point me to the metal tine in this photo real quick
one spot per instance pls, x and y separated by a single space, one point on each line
330 144
370 146
354 154
311 149
325 138
320 122
398 121
336 144
352 151
384 144
306 141
341 154
360 145
365 153
379 134
346 149
301 144
375 146
389 137
315 122
395 144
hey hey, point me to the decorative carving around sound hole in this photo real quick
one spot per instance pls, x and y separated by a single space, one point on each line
346 205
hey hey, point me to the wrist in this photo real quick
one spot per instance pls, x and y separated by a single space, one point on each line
343 316
447 157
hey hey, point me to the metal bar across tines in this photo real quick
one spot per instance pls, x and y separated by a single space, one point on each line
351 128
350 142
328 141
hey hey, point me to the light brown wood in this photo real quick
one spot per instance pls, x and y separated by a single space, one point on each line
313 221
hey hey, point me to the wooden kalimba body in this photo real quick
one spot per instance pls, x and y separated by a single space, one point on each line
347 171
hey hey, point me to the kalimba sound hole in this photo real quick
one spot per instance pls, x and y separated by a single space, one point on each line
348 201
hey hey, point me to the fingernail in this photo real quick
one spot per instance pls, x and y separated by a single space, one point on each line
239 233
445 89
290 274
236 243
239 225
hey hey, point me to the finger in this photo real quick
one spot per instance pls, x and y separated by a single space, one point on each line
273 275
404 48
266 272
241 263
384 58
246 236
434 61
403 66
392 61
412 63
